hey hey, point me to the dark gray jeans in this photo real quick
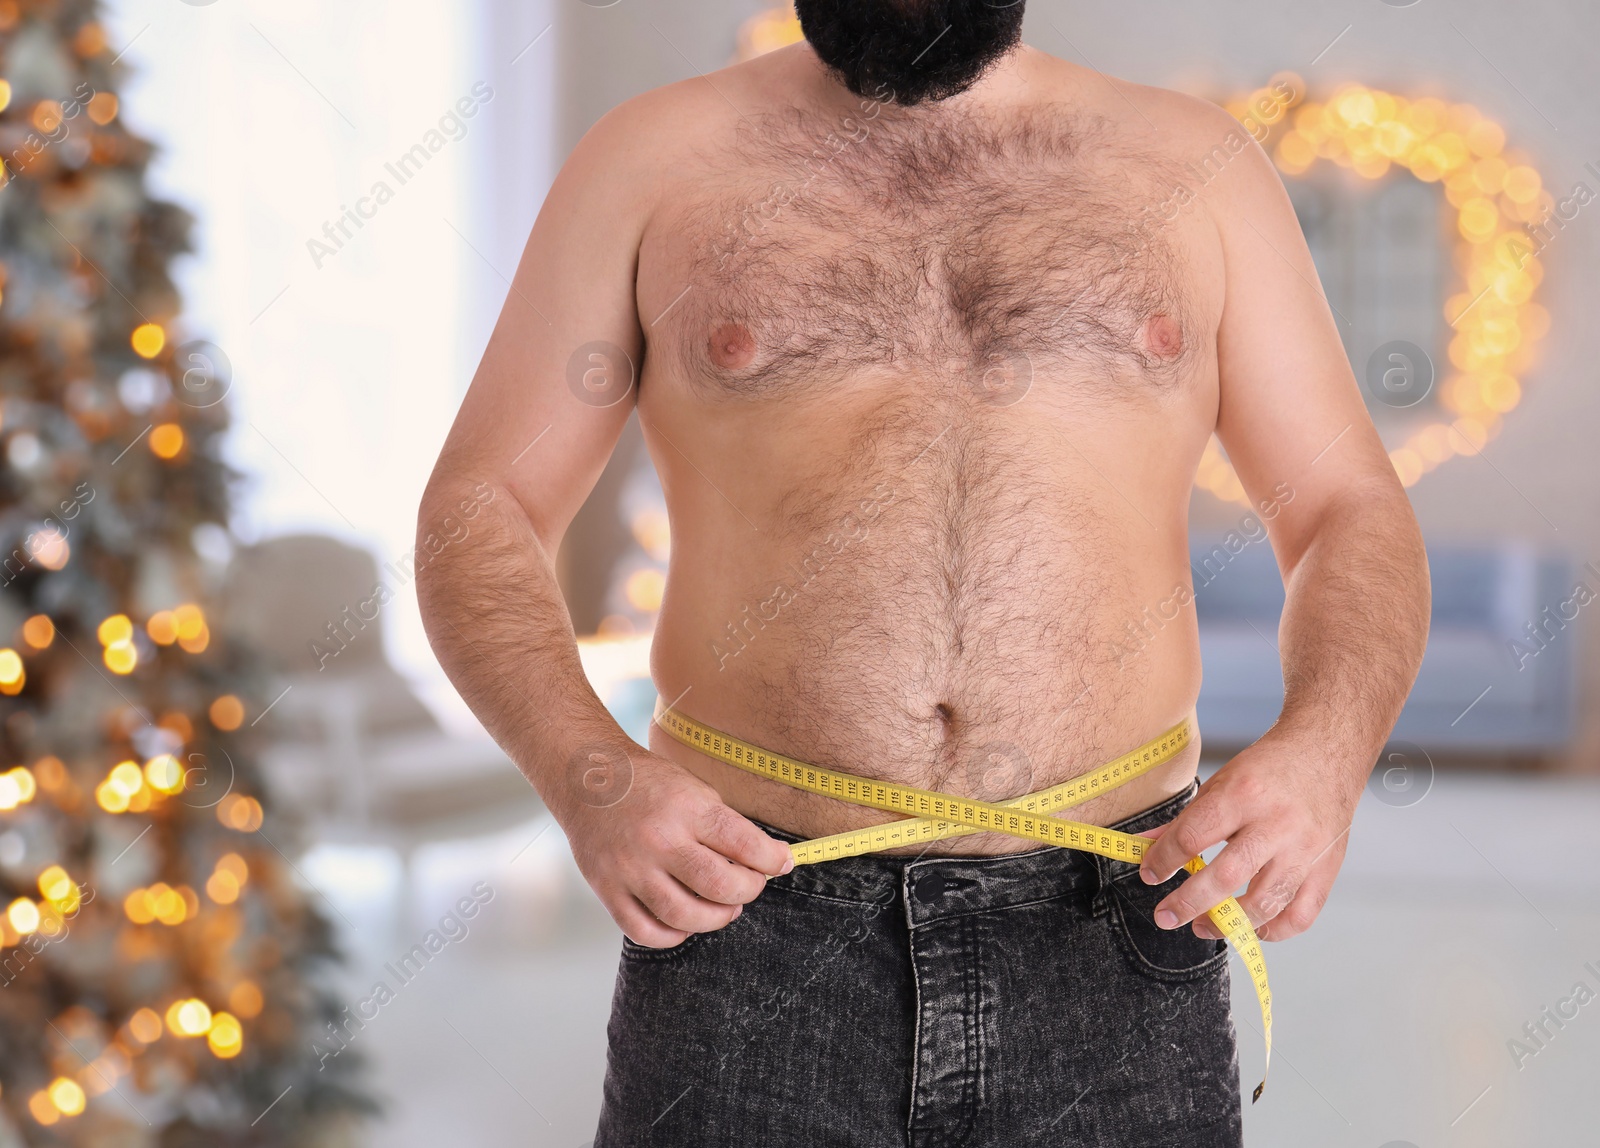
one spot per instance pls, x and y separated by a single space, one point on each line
880 1001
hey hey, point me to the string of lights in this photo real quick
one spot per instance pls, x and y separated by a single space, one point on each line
1499 200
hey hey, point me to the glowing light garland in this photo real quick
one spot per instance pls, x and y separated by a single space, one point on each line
1501 207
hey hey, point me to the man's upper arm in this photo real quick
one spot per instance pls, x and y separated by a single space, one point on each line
560 373
1290 410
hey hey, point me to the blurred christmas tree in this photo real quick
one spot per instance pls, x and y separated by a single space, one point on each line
160 970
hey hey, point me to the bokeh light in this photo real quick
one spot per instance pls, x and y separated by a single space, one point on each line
227 712
12 674
23 916
163 773
67 1095
1496 197
166 440
644 589
17 787
39 631
190 1017
237 811
162 629
145 1025
246 999
225 1037
147 340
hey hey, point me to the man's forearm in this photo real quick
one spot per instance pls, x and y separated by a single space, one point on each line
1355 621
498 625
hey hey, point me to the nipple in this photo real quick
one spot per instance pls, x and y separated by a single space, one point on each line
732 346
1163 336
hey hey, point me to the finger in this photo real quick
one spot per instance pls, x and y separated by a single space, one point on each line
640 926
698 870
740 840
1204 822
678 908
1272 890
1298 915
1234 866
714 877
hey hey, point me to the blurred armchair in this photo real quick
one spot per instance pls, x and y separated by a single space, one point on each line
356 756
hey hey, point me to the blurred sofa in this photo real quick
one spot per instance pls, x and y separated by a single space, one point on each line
1486 687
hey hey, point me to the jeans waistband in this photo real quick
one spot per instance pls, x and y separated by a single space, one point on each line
946 886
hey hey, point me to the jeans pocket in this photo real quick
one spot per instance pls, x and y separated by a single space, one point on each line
632 950
1165 954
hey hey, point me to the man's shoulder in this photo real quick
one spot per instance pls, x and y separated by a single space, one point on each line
1192 128
1164 124
675 117
645 128
622 166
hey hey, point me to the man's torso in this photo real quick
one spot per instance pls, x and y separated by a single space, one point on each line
927 389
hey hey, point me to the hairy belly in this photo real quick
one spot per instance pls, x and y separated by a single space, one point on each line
962 616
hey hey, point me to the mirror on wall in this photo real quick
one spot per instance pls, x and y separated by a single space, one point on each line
1383 252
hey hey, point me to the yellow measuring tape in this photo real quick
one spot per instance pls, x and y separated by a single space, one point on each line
933 816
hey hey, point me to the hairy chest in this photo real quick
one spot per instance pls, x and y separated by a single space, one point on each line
973 258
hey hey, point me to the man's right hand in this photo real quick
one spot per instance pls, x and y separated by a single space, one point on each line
661 849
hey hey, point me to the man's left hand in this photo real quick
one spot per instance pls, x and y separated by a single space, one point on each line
1284 810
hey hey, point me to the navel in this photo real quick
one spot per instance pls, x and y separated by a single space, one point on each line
1163 336
732 346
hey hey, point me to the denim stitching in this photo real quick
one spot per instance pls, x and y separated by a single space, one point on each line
916 1023
1125 942
634 951
790 889
985 909
979 1003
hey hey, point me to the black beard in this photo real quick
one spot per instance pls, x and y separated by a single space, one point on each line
909 51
